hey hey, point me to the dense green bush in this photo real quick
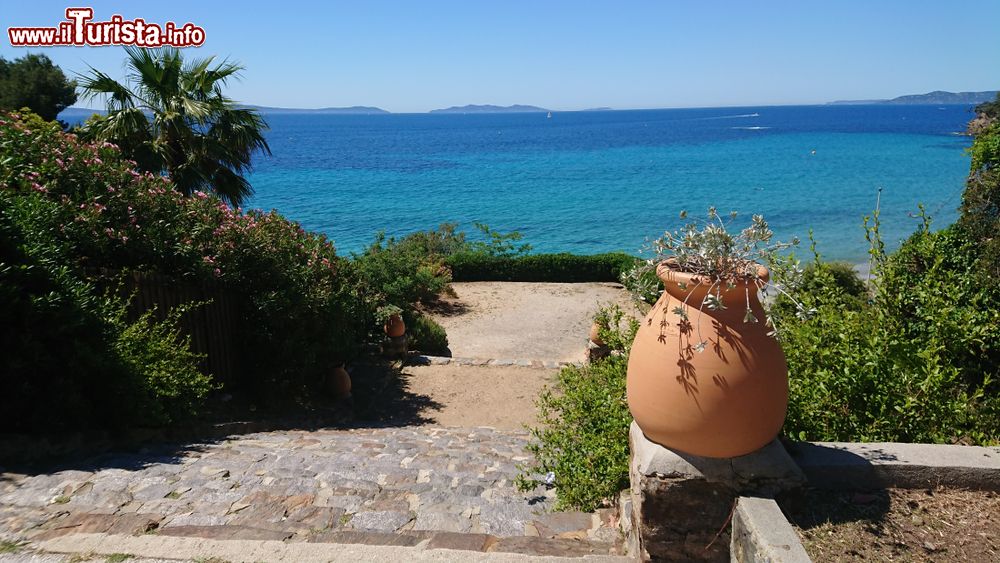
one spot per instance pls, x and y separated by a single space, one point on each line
406 271
68 357
583 440
912 362
919 358
563 267
427 336
160 355
303 307
980 217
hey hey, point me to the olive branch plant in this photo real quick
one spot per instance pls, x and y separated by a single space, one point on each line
719 257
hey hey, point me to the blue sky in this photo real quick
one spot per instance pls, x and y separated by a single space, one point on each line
409 56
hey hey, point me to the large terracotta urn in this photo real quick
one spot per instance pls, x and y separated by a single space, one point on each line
713 384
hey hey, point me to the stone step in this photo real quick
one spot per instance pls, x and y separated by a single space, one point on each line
425 360
336 547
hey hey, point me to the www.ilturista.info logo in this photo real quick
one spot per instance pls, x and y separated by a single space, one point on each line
79 30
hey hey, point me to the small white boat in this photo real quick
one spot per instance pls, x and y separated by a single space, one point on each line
549 116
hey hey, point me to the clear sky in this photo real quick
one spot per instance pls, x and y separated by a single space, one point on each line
413 56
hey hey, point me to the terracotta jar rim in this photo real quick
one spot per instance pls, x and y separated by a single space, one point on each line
669 272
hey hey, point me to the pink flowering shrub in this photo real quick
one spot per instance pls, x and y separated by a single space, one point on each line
68 349
303 307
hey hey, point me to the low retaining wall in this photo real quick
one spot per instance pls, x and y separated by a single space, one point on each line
679 507
682 504
850 465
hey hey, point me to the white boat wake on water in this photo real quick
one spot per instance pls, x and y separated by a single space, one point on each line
740 116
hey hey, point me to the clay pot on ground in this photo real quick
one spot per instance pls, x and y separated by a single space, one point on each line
340 382
394 326
729 399
595 334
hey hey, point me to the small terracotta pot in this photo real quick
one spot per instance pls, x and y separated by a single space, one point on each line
595 334
394 326
340 382
727 400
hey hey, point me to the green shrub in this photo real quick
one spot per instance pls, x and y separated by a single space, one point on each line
427 336
443 241
911 364
405 271
497 244
583 439
173 388
563 267
980 213
932 288
66 348
642 284
303 307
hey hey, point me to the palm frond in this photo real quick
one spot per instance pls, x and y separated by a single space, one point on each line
98 84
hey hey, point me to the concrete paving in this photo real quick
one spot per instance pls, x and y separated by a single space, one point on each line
850 465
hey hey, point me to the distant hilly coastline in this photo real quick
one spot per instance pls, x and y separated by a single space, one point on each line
353 110
83 113
74 112
487 108
938 97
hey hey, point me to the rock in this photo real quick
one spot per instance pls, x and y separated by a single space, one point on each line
379 521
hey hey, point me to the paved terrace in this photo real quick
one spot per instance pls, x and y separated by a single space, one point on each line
440 487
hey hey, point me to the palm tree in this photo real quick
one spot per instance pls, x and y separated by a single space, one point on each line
171 117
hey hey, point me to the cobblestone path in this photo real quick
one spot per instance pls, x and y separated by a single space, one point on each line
435 487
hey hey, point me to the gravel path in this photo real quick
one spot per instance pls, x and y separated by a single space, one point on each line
535 321
501 397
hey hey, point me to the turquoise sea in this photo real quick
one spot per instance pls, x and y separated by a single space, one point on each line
588 182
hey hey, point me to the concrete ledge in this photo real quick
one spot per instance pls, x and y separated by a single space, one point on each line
165 547
761 534
768 470
425 360
849 465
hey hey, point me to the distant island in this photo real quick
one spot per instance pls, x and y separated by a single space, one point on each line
78 113
353 110
472 108
598 109
938 97
74 113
